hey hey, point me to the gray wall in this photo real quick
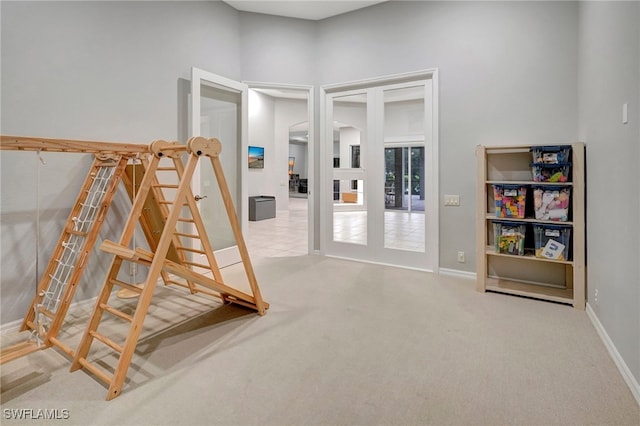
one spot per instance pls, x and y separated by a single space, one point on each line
111 71
278 50
508 74
609 76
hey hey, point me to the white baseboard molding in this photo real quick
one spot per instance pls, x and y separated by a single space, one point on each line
458 273
10 327
14 326
372 262
613 351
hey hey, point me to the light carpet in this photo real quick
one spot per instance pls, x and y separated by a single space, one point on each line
344 343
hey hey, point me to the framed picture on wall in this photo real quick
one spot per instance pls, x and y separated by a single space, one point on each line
256 157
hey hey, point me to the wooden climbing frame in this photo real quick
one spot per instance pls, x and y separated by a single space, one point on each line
165 211
176 204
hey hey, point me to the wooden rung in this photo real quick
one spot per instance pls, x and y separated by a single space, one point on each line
64 348
118 250
185 219
95 370
116 312
166 186
199 265
46 312
191 250
128 286
104 339
166 169
182 234
78 233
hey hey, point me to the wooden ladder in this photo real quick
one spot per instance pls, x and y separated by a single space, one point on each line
59 281
175 206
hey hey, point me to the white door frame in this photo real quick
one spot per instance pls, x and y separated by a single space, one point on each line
230 255
431 152
310 150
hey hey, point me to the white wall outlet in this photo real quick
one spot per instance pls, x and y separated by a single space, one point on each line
595 296
451 200
461 256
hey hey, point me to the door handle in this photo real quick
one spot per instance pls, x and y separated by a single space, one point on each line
198 198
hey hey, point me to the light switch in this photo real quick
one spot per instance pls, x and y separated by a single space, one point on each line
625 118
451 200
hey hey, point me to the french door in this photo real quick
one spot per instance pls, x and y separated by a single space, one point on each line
218 108
379 172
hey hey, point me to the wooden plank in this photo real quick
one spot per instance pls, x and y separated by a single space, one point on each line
237 232
22 143
530 290
19 350
152 218
579 225
481 227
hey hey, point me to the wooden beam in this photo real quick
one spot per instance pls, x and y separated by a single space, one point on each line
22 143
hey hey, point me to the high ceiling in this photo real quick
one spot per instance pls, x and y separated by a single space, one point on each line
303 9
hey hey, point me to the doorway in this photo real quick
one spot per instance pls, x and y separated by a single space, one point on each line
379 170
281 120
218 108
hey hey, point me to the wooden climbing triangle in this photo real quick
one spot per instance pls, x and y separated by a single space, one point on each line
182 238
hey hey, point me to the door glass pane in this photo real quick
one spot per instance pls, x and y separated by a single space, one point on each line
417 187
219 119
349 151
404 172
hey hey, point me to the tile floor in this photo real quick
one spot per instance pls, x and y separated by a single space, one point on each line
286 234
283 236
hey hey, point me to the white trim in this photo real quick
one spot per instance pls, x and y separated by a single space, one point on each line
458 273
373 262
231 86
14 326
429 73
429 78
10 327
434 241
628 377
417 140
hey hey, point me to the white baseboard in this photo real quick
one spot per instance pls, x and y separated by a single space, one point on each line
14 326
613 351
458 273
10 327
